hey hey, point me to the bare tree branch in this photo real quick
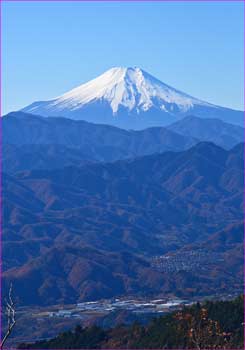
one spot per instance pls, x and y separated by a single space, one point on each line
10 312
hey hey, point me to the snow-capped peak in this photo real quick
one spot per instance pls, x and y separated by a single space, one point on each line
131 88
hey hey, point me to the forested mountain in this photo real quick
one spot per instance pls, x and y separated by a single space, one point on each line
91 231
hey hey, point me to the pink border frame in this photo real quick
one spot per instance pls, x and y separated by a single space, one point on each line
1 1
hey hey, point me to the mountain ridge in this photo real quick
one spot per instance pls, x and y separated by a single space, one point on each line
31 142
209 129
146 206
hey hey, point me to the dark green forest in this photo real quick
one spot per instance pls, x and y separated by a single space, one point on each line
210 325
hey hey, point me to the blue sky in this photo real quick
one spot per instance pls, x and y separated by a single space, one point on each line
49 48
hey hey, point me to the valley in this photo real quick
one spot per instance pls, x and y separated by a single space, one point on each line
47 322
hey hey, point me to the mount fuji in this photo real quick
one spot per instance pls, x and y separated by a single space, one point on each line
132 99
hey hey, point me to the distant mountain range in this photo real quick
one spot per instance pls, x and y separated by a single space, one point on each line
34 142
132 99
93 211
212 130
90 231
59 141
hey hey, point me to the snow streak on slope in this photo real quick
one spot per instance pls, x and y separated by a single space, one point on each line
131 88
130 98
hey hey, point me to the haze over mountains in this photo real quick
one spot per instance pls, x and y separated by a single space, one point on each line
212 130
132 99
34 142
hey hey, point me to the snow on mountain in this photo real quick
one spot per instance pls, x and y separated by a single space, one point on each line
129 87
127 97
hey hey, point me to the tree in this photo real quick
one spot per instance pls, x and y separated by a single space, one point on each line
202 332
10 312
